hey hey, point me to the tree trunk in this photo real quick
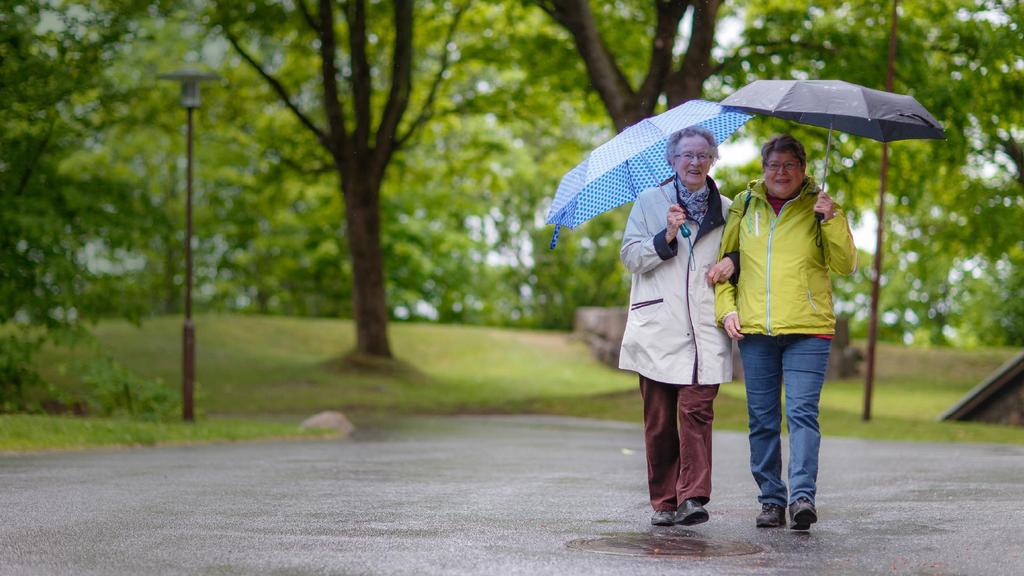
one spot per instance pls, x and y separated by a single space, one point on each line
624 105
369 301
362 154
262 301
687 82
1015 151
606 77
172 298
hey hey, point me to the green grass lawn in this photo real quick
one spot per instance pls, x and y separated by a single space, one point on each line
255 366
279 365
21 432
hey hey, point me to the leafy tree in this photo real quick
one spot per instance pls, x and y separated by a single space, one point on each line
361 106
606 40
467 201
67 226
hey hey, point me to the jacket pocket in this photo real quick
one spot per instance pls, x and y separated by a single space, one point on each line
646 313
816 290
645 303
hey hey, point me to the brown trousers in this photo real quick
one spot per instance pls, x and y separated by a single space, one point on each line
678 455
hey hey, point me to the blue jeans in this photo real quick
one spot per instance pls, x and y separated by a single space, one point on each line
800 361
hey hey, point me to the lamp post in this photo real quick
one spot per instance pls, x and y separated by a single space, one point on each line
190 80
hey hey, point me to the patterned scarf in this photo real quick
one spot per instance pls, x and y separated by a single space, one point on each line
695 203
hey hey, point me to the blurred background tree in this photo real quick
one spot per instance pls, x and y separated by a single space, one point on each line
71 222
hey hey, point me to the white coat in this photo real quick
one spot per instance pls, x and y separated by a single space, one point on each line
671 333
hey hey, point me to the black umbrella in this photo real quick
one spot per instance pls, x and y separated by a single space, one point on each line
847 107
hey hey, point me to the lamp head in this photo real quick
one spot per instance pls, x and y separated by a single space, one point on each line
190 80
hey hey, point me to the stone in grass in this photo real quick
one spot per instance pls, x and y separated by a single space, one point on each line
329 419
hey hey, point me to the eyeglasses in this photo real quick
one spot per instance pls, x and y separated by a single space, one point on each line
775 166
690 157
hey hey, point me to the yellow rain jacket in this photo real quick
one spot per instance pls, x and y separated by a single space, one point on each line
784 285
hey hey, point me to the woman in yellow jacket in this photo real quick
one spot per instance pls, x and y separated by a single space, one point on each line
789 236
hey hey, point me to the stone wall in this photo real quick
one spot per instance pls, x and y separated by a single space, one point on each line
602 330
1007 407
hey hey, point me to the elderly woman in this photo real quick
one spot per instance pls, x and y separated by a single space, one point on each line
781 313
671 245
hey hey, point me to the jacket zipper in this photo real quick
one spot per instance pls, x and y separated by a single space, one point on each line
768 274
768 278
811 299
693 332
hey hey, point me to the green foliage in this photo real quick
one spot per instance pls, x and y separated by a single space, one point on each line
1011 319
69 224
463 210
114 390
584 270
16 371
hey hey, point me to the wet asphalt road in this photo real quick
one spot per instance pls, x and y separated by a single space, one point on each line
493 496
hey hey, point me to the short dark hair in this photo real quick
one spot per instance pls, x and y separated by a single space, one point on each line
784 143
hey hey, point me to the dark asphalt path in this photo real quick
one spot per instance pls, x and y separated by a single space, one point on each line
492 496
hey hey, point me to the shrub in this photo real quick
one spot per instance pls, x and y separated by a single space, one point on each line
16 372
117 391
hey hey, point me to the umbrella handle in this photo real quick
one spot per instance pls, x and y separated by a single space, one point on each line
554 237
684 228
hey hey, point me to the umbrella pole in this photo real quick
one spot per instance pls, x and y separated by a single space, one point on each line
824 180
828 151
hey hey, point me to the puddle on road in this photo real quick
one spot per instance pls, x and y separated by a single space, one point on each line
676 544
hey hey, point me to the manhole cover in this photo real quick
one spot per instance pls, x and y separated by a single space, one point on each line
669 545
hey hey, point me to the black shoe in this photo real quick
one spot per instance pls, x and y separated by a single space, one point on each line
771 516
691 512
663 518
802 514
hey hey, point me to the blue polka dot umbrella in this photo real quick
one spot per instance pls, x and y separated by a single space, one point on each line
634 160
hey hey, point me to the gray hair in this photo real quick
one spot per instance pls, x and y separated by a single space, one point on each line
673 141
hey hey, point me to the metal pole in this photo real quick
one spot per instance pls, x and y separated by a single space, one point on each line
828 150
189 342
876 272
